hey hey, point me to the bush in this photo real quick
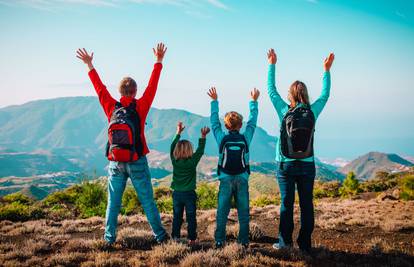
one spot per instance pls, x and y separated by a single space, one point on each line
206 196
67 196
91 201
15 211
130 202
378 184
326 189
407 187
165 204
265 200
350 185
18 198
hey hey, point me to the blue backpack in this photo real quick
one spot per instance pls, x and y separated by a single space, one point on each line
234 151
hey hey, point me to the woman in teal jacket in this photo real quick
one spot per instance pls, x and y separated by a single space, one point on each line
293 171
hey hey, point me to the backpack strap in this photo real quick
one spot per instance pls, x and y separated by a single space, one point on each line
118 105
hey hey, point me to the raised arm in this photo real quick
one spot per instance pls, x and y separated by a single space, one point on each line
320 103
105 98
277 101
148 97
201 145
180 129
214 116
254 112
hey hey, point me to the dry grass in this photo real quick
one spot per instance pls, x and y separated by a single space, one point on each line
392 216
232 231
169 253
73 243
135 239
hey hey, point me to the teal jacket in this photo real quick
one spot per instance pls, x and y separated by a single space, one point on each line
282 107
219 133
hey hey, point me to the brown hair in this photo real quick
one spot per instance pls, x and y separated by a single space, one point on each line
233 121
298 93
183 150
127 87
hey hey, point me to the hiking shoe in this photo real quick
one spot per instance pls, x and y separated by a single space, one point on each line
277 246
107 246
219 245
192 243
164 239
245 246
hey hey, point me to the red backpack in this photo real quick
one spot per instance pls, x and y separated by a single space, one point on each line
124 131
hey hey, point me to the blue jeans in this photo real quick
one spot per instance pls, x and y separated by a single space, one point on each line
140 176
303 175
187 200
238 187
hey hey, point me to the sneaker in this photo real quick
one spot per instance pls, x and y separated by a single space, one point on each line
107 246
219 245
277 246
164 239
192 243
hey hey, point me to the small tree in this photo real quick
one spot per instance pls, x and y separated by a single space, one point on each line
350 186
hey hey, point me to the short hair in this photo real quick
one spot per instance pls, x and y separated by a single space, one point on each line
233 121
183 150
127 87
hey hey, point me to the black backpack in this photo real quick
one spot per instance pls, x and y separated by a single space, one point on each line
124 131
233 151
296 133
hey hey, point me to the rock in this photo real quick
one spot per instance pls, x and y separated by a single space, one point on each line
384 195
396 193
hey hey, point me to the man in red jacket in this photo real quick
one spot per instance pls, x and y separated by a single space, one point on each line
137 169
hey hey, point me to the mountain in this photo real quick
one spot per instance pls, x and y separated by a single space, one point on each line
324 172
367 165
34 163
34 192
75 128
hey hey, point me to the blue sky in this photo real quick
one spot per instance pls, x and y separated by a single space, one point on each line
224 43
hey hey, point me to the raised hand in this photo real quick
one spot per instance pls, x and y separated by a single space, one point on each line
204 131
212 93
271 56
327 63
255 93
83 55
180 127
159 52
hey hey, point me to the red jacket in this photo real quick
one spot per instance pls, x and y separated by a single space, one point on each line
143 103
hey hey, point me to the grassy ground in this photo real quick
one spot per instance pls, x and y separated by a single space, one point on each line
360 232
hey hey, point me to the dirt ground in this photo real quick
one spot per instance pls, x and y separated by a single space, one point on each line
362 232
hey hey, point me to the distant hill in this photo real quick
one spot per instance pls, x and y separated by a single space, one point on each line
367 165
75 127
28 164
34 192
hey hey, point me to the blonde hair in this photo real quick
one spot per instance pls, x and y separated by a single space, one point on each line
233 121
183 150
127 87
298 93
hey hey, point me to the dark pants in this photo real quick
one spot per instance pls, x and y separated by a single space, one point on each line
187 200
303 175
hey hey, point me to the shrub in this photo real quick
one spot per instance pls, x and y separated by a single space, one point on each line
130 202
165 204
91 201
407 187
265 200
18 198
350 185
326 189
206 196
15 211
162 191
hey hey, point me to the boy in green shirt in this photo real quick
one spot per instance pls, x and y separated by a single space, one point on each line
184 180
